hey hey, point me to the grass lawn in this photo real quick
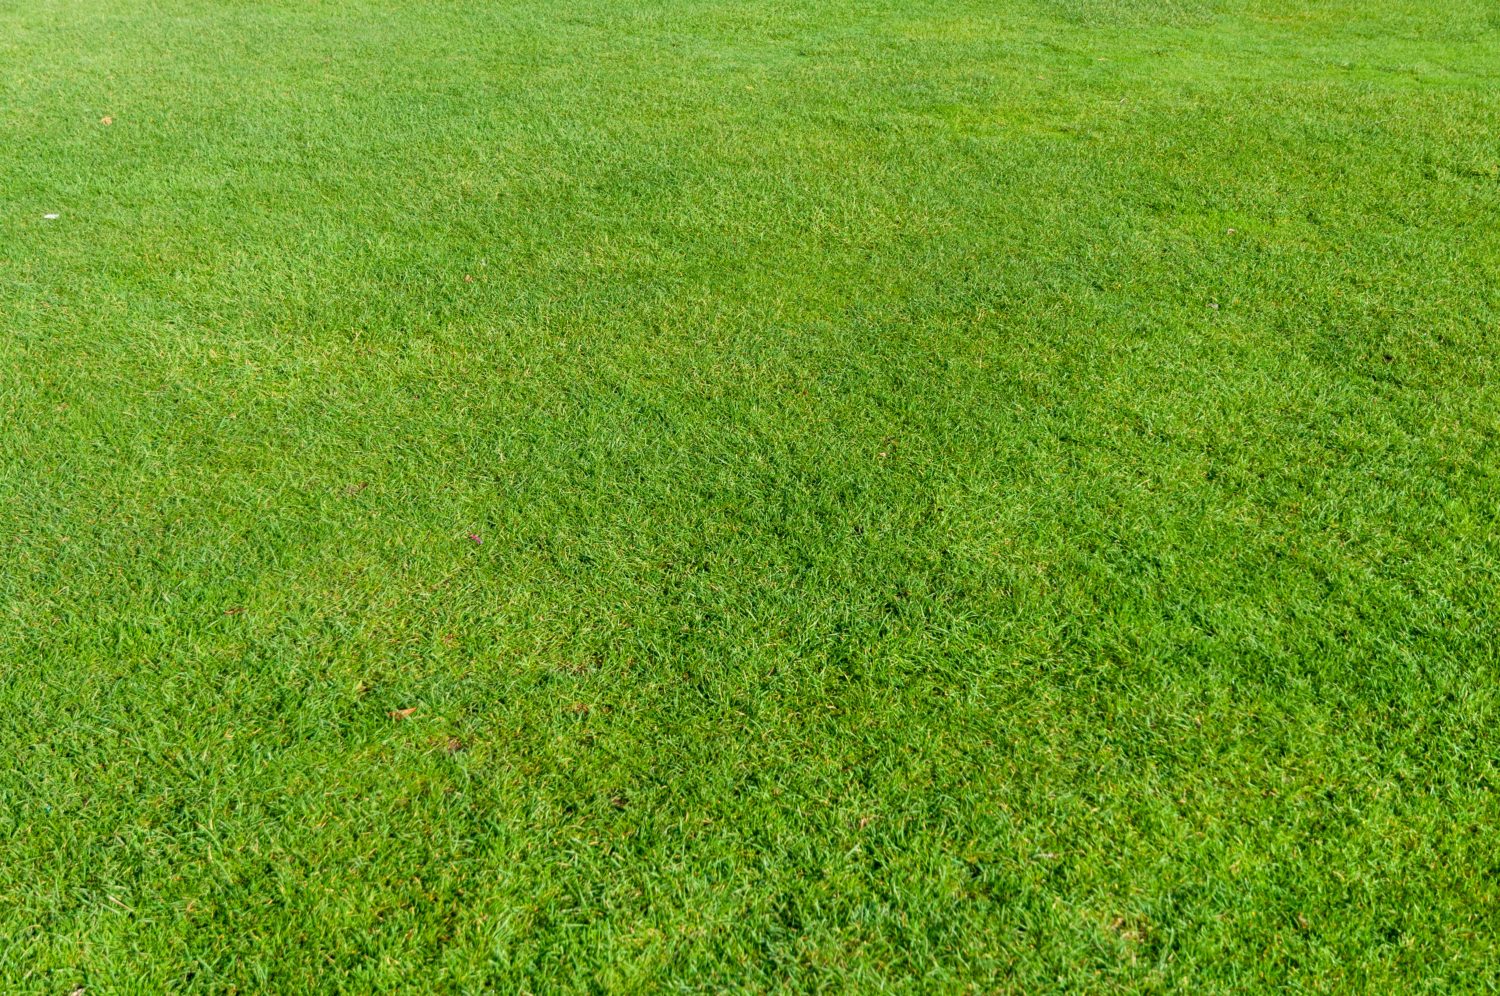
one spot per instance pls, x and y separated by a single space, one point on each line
565 495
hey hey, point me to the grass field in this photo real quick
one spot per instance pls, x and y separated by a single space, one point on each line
694 495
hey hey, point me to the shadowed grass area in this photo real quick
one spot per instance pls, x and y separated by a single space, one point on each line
699 496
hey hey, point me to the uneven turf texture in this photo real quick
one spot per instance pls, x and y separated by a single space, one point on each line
701 494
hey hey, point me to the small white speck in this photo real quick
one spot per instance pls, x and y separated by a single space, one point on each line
51 217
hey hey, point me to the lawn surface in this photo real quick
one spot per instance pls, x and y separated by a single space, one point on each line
690 494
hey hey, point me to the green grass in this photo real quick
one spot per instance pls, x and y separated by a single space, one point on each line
968 496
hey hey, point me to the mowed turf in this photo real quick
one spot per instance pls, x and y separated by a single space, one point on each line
689 495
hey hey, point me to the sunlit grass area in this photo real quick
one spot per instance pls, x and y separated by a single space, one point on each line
702 496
